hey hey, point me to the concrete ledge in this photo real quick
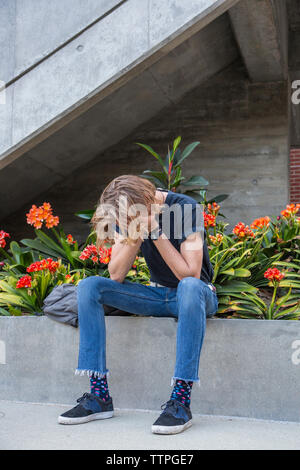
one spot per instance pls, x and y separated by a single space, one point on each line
248 368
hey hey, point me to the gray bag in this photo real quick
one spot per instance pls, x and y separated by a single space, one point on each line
61 305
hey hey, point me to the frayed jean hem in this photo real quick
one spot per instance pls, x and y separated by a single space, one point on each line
91 372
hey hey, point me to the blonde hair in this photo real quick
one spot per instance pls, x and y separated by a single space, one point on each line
136 189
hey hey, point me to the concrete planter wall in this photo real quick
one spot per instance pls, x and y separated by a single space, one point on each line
248 368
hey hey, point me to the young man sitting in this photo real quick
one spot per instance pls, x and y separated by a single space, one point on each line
133 215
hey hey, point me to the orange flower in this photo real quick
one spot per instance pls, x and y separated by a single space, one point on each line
242 231
24 281
273 274
52 221
102 255
33 217
70 239
37 215
261 222
209 220
213 208
3 235
68 276
90 251
216 240
290 210
48 263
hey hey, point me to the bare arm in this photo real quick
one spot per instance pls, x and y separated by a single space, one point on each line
122 257
187 262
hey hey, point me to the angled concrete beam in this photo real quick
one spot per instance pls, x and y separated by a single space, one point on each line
261 30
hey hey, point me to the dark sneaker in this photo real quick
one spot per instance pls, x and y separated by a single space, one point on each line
90 407
175 418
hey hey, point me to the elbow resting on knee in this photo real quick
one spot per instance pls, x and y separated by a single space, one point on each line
116 277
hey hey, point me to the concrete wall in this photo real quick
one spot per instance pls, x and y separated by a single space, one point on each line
35 28
243 129
247 367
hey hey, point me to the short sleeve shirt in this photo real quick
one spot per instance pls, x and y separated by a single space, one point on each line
183 221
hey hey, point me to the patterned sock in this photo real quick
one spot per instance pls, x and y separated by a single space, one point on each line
99 387
182 392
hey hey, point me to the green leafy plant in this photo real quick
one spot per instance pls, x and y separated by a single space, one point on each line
253 254
18 259
170 177
285 232
285 306
25 294
139 271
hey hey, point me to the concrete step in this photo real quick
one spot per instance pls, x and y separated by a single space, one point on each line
248 368
27 426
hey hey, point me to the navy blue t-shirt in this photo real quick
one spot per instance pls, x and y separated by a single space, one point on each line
189 223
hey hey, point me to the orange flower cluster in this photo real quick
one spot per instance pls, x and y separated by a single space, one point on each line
43 265
290 210
261 222
70 239
105 254
68 276
90 252
273 274
24 281
209 220
216 240
3 235
242 231
213 208
37 215
102 255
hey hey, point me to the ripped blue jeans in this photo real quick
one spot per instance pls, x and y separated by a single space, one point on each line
190 302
